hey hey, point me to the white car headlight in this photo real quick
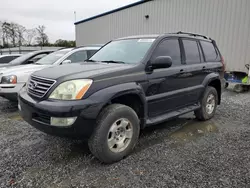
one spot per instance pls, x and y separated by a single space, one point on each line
71 90
11 79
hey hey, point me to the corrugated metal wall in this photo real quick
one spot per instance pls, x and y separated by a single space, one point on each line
227 21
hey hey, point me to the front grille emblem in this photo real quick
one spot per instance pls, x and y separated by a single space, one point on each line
33 85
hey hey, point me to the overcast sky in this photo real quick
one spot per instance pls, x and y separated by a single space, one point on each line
56 15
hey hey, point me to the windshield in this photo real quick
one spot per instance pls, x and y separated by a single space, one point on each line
22 58
53 57
125 51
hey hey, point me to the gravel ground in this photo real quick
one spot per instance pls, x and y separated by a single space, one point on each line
180 153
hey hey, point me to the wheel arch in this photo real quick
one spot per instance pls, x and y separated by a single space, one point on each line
130 94
134 101
213 80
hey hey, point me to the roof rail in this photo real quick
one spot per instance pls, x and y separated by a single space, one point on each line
192 34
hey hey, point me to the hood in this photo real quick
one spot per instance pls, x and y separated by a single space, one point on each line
21 69
22 72
82 70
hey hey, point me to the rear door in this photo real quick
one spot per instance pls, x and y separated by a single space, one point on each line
193 73
212 58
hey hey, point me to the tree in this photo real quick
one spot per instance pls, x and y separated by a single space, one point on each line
30 35
42 39
11 32
5 34
20 30
65 43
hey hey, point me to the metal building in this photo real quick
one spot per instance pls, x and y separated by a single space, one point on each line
226 21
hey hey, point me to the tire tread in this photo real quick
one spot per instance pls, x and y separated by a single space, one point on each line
201 113
94 141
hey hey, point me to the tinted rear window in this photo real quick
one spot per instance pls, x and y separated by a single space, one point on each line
191 51
209 51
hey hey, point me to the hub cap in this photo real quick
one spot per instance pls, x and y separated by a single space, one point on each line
120 135
210 104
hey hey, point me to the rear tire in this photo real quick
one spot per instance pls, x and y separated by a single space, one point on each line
116 133
238 88
208 104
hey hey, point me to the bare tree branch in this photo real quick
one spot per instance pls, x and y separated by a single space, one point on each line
11 32
30 35
42 38
20 30
5 33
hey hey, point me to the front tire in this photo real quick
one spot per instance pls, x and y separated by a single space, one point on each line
116 133
208 104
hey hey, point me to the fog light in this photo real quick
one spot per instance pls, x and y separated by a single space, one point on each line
62 122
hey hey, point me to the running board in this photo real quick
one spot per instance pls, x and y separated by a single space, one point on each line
170 115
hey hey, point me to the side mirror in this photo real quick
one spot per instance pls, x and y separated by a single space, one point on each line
67 61
162 62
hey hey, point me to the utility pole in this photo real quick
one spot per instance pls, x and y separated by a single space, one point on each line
75 15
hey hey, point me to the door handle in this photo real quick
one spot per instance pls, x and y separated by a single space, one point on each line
181 70
203 67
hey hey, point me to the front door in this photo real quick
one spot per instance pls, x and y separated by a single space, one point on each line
165 89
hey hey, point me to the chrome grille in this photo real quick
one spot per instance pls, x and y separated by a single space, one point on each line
38 87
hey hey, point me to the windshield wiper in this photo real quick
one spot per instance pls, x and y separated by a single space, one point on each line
112 61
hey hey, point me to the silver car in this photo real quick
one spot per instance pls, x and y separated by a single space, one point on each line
14 78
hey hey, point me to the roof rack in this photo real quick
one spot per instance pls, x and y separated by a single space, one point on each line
192 34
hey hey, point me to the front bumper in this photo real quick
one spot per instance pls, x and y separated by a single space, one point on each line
38 113
10 91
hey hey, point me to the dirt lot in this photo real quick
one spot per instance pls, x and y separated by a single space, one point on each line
180 153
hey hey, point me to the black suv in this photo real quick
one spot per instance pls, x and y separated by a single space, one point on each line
129 84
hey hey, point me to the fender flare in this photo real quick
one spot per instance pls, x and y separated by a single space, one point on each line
210 78
104 96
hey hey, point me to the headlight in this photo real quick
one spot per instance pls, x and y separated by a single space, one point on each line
12 79
71 90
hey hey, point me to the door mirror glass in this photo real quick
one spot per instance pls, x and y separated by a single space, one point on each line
67 61
162 62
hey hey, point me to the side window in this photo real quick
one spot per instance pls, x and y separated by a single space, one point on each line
36 58
90 53
191 51
78 56
209 51
7 59
169 47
